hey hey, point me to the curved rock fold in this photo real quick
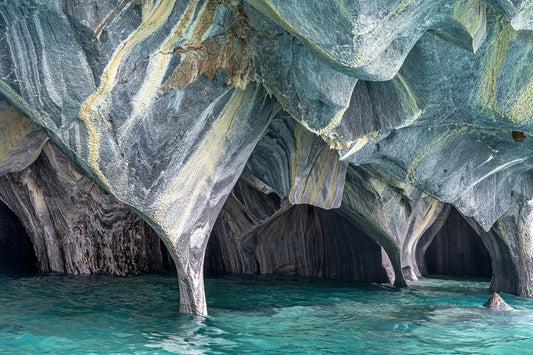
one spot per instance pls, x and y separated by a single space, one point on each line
388 114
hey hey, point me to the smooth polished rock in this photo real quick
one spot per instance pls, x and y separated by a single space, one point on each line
370 40
263 234
21 141
408 273
456 249
298 164
172 155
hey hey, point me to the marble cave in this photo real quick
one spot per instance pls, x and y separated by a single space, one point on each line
376 141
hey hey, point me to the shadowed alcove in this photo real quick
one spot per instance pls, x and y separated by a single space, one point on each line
16 249
455 250
262 234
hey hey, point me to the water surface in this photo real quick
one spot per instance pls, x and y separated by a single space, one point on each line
60 314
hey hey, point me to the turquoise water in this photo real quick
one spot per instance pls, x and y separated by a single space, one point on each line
67 315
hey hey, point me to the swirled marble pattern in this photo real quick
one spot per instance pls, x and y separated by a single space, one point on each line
356 105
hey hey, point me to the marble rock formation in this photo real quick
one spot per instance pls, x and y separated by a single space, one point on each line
497 303
391 113
259 233
456 249
74 226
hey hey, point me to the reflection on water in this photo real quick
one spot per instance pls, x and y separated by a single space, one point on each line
65 315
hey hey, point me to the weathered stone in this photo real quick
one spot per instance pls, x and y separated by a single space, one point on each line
298 164
263 234
456 249
408 273
395 214
75 227
375 107
497 303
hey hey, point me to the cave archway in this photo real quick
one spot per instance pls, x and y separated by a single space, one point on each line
299 240
16 249
455 250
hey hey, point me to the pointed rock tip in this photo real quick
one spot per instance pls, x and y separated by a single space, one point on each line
497 303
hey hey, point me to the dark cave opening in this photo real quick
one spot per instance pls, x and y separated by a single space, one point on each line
304 241
16 249
168 264
455 251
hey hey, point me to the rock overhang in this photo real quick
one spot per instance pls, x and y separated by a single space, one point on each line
165 103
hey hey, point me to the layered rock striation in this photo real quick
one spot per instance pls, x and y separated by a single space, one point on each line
388 113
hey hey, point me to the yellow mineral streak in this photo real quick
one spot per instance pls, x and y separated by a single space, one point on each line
359 205
14 127
157 68
422 225
425 222
101 26
486 96
205 20
325 162
332 186
522 110
36 117
470 14
147 6
313 185
269 10
358 144
335 121
308 188
407 98
94 110
196 174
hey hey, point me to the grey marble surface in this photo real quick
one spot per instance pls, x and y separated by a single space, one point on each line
386 110
75 227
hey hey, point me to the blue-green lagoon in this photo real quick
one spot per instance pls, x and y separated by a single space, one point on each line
58 314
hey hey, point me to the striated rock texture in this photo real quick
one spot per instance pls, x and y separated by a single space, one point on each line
455 250
257 233
54 218
389 111
74 226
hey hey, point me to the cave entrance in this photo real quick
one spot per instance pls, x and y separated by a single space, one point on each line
456 250
16 249
303 241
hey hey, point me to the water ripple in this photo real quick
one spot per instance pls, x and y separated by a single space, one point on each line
69 315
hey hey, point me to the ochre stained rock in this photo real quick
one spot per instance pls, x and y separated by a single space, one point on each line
497 303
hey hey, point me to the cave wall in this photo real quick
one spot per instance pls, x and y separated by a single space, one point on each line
16 249
74 226
298 240
455 250
163 104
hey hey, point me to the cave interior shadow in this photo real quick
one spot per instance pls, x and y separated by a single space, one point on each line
456 251
303 242
17 254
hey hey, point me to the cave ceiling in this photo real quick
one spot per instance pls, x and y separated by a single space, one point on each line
386 111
